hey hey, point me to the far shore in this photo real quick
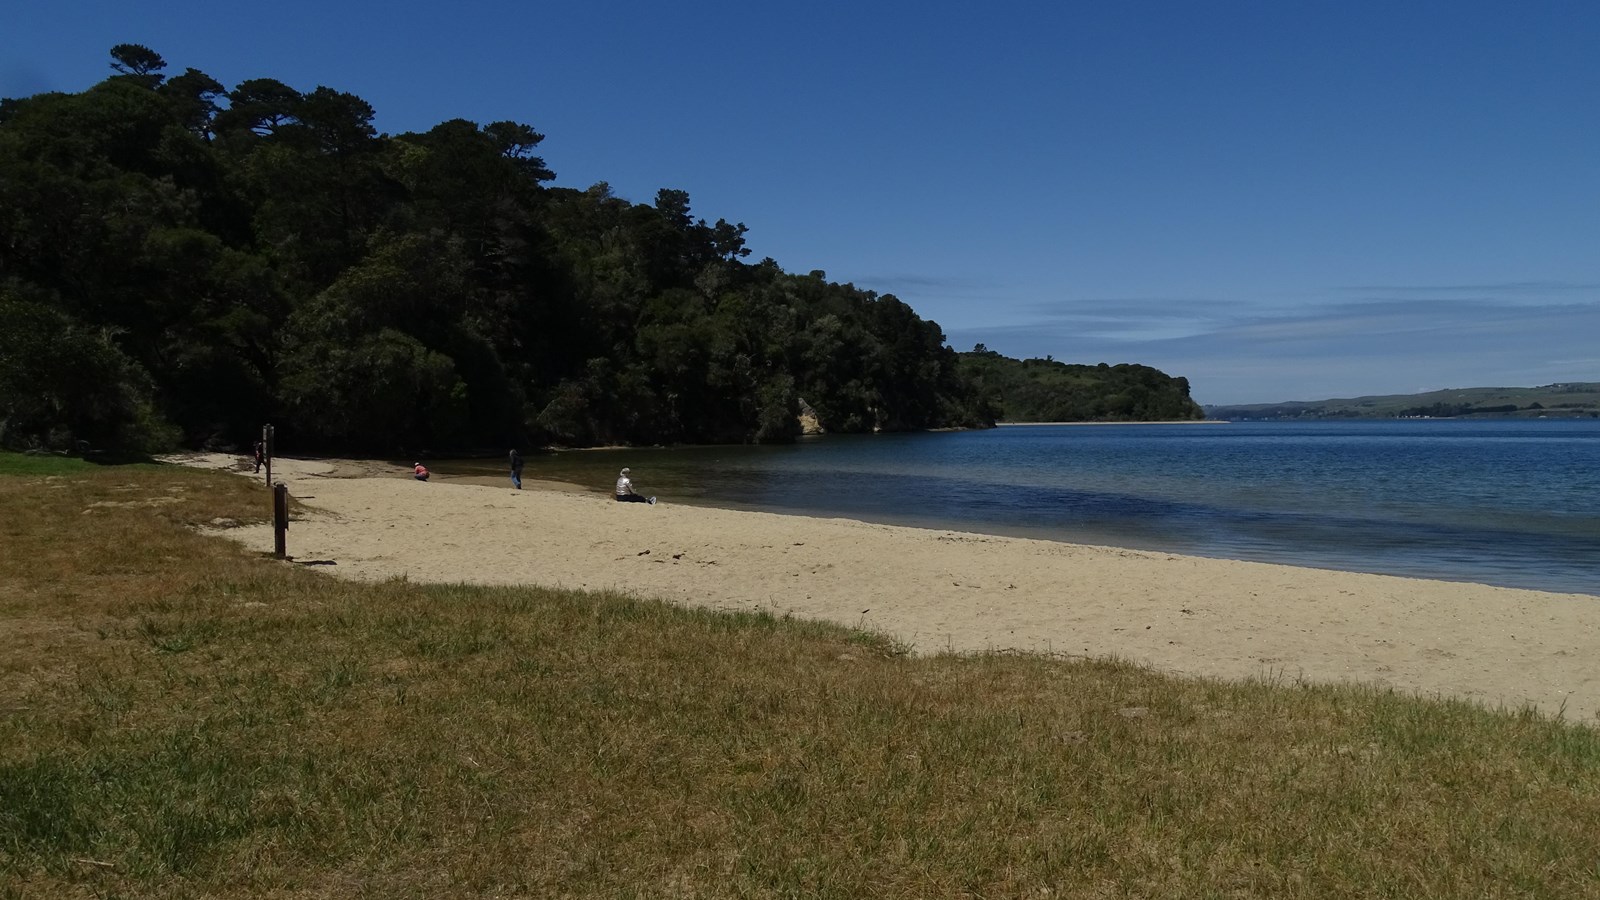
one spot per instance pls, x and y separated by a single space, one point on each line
1153 422
936 590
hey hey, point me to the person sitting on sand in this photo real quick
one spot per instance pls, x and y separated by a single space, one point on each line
420 473
625 492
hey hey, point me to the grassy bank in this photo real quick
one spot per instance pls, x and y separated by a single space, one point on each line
180 718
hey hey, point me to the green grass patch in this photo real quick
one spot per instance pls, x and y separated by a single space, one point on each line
41 464
179 718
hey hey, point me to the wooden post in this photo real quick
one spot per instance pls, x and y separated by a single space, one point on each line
280 519
267 435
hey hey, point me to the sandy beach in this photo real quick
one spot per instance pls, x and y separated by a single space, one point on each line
950 591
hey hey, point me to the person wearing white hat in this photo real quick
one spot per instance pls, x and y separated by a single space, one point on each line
625 492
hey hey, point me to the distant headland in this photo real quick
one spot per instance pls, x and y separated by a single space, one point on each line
1570 399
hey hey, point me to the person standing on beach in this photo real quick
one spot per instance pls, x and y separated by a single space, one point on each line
261 454
516 469
625 492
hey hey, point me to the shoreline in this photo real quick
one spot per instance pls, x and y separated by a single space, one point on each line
990 529
939 590
1142 422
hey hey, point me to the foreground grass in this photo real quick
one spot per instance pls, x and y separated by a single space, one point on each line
179 718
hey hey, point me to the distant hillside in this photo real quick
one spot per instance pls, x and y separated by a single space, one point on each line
1565 400
1043 390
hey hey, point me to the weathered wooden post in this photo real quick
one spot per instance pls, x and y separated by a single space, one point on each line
280 519
267 433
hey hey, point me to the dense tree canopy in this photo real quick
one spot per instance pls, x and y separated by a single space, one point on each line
1043 390
182 262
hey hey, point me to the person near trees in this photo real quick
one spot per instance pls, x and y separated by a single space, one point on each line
419 472
626 493
261 454
516 469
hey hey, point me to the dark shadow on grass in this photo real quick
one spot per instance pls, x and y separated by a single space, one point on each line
118 458
50 462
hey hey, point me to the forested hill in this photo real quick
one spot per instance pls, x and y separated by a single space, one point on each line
181 262
1043 390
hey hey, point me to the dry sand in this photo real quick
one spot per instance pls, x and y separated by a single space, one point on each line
950 591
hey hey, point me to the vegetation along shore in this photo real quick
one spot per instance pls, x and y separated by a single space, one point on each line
185 262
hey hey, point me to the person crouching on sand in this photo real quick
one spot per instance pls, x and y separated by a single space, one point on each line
420 473
625 492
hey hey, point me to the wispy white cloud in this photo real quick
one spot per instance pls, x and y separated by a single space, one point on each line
935 285
1496 289
1241 353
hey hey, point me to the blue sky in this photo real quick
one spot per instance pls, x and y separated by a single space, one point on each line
1276 200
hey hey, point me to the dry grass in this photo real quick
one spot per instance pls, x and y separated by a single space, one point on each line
181 719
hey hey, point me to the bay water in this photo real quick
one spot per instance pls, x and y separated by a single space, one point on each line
1513 502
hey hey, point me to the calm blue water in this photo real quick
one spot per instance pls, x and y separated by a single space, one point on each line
1508 502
